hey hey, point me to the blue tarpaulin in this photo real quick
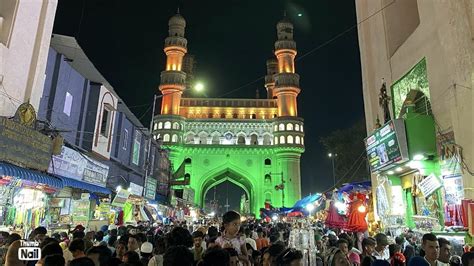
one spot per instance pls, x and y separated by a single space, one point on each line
7 169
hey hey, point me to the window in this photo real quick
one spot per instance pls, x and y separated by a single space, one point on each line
276 140
167 125
174 138
268 179
104 124
166 138
301 128
190 139
235 115
67 104
241 140
175 125
268 161
253 139
136 148
289 126
282 139
267 140
222 115
160 125
209 115
297 140
203 139
302 141
297 127
155 126
275 128
253 116
268 197
290 140
215 139
125 139
281 127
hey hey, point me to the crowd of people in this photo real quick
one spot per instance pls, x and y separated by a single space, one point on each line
233 243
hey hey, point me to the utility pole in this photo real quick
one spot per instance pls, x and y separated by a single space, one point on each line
147 161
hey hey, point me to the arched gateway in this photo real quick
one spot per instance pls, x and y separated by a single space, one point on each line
253 143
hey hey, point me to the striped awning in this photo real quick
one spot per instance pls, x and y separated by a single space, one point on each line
7 169
69 182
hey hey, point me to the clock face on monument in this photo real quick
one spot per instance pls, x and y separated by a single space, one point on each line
228 136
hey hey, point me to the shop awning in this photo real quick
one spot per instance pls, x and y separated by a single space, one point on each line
69 182
7 169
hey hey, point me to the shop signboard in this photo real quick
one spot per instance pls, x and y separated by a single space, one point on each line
24 146
150 188
450 155
387 145
121 198
429 185
73 164
80 213
188 194
135 189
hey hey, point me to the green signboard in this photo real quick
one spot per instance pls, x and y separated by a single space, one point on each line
387 145
150 188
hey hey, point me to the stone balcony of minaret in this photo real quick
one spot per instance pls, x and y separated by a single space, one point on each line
173 77
176 41
285 44
287 80
269 79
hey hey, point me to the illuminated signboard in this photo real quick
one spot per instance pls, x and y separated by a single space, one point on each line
387 145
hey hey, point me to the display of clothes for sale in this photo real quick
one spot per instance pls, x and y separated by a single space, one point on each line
357 213
127 212
334 219
302 239
383 207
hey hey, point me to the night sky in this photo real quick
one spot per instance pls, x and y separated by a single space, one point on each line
231 41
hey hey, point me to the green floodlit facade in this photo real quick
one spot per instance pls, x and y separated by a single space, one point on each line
255 144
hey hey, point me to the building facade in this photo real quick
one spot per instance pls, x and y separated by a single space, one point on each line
25 33
79 103
423 52
253 143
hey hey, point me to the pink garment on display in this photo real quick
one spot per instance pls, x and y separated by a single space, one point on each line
334 219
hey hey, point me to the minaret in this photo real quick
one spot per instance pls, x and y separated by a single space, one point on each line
173 80
286 80
272 69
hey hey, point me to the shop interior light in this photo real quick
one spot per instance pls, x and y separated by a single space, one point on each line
129 189
399 169
274 217
160 213
390 172
119 187
310 207
212 214
418 157
362 208
415 165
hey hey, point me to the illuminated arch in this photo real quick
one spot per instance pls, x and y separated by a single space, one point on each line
232 174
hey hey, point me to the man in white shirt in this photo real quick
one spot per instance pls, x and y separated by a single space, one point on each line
249 240
381 251
430 246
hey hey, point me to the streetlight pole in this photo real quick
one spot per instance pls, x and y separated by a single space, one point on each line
333 157
281 187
